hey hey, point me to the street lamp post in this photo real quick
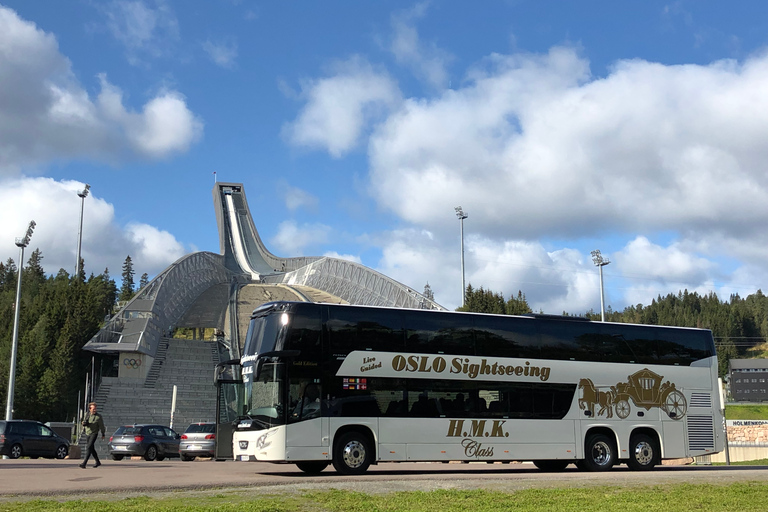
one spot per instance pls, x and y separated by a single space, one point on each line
82 195
598 260
21 243
461 214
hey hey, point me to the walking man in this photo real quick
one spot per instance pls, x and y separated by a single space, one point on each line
93 424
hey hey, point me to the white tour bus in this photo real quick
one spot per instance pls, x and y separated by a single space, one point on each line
359 385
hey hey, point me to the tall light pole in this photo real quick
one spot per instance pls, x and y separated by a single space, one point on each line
598 260
461 214
21 243
82 195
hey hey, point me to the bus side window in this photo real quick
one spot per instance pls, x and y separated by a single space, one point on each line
437 333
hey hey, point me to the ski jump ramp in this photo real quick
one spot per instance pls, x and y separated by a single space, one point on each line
204 289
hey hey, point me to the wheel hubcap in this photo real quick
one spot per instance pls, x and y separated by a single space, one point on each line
354 454
601 453
643 453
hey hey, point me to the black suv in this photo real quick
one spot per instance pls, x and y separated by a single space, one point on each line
25 438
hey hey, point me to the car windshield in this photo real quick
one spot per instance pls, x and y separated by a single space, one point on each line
128 431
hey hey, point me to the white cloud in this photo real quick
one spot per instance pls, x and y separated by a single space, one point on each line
553 282
536 147
534 137
426 61
293 240
46 115
340 107
674 263
296 198
55 207
142 29
222 53
348 257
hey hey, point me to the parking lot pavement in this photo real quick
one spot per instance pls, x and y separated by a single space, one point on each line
26 478
43 477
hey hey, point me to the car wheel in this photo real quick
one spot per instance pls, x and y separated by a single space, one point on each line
151 453
16 451
313 467
352 454
61 452
187 458
117 457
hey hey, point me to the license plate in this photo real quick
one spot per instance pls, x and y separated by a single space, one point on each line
244 458
192 447
121 447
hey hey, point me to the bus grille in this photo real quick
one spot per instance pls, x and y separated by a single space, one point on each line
701 400
701 433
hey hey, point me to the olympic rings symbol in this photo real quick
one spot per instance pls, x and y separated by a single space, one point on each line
132 363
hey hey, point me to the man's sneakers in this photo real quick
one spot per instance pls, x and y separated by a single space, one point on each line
97 464
82 465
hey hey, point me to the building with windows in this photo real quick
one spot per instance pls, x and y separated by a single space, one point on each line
748 379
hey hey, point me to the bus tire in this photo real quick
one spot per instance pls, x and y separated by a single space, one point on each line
599 453
552 466
352 454
643 453
312 467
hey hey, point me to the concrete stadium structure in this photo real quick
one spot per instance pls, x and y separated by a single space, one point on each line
216 292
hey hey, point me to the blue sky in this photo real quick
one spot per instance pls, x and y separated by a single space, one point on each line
636 128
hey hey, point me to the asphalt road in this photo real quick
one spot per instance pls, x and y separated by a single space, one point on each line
63 479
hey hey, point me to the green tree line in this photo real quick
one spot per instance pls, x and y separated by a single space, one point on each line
58 314
739 325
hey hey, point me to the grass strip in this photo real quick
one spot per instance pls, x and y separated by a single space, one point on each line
741 497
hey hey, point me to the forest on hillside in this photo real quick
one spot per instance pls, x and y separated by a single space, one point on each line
58 314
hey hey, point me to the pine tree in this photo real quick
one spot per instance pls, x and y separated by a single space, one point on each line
144 281
428 293
517 305
126 291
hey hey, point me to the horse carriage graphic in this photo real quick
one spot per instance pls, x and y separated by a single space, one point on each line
644 387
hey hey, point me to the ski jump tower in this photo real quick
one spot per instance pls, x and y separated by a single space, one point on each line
219 291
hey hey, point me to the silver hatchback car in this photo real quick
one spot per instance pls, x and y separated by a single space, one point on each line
199 440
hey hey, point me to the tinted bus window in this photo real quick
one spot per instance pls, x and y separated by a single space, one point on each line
576 341
438 333
506 337
682 347
364 329
304 334
639 344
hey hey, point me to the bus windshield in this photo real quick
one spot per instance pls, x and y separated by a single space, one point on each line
263 394
263 333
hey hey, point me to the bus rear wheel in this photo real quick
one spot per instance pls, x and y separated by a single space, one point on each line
551 466
352 454
643 453
312 467
600 453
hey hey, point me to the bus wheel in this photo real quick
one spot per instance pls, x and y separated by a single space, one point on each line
600 453
312 468
352 454
643 453
551 466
